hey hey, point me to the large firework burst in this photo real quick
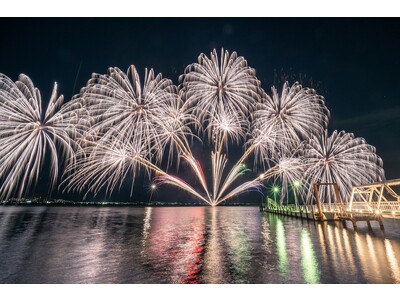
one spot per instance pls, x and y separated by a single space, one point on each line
281 123
343 159
148 113
28 134
296 114
220 86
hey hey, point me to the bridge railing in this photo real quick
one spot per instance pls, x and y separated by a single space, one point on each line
361 207
384 207
331 207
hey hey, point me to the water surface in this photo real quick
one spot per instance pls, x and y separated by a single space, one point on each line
189 245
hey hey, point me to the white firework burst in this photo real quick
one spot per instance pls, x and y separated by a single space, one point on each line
296 114
28 133
343 159
220 85
131 128
290 175
145 113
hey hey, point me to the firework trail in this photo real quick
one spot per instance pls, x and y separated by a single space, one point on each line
221 92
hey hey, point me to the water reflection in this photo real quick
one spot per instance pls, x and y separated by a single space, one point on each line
347 251
281 248
146 224
238 251
146 230
357 256
189 245
177 246
214 268
18 226
393 263
309 261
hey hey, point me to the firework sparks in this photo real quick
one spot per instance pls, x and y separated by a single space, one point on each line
28 134
119 126
297 114
215 88
343 159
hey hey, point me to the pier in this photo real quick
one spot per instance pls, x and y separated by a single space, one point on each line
367 203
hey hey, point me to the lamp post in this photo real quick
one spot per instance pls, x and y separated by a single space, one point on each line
275 190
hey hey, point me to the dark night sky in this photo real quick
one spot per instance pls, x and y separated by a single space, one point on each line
354 63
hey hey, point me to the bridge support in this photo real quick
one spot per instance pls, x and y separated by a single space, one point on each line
357 217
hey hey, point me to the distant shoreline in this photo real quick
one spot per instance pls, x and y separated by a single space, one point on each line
112 204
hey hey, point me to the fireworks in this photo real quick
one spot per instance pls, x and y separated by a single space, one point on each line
225 87
221 92
343 159
28 134
297 114
120 126
118 102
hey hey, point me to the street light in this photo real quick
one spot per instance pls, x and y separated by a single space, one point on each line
275 190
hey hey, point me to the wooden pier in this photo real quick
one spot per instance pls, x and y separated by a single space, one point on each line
290 210
311 213
368 203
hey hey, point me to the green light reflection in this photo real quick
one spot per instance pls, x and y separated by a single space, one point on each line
309 261
239 254
281 247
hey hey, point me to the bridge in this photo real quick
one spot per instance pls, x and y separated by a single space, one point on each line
369 202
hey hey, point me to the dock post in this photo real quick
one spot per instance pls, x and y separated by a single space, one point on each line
354 224
381 224
369 225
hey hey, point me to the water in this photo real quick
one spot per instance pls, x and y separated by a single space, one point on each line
189 245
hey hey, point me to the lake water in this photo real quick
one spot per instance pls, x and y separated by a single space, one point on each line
189 245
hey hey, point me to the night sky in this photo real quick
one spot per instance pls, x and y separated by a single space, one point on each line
354 63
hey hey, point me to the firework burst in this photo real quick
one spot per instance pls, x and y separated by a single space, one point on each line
221 92
220 86
296 114
343 159
28 133
119 102
132 126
